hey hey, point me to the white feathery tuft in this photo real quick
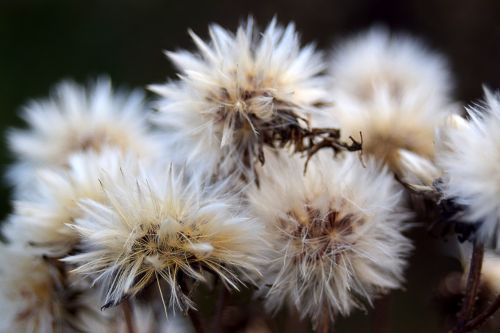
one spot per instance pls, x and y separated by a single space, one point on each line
28 302
234 92
397 63
156 226
78 119
337 233
37 297
41 221
391 90
470 160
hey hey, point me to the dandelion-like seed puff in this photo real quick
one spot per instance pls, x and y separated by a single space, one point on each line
396 93
338 239
36 297
400 64
470 160
158 227
27 293
41 221
76 119
238 93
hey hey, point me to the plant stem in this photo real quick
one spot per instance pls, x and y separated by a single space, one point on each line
481 318
324 324
219 308
129 316
192 313
473 280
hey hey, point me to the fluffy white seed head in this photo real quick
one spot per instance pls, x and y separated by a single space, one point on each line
27 293
396 63
41 222
36 297
392 90
471 164
387 127
235 92
338 239
157 227
77 119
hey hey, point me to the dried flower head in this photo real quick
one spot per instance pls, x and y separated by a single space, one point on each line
388 127
471 164
27 292
157 226
238 93
396 63
35 297
75 120
41 220
392 91
338 239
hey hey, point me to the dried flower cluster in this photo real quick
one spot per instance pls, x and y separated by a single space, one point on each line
121 211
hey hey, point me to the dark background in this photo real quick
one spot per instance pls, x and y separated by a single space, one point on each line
42 42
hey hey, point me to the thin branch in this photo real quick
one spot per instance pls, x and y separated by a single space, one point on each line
332 141
219 308
324 324
481 318
193 314
129 316
473 280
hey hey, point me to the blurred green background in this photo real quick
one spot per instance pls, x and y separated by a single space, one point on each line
43 42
